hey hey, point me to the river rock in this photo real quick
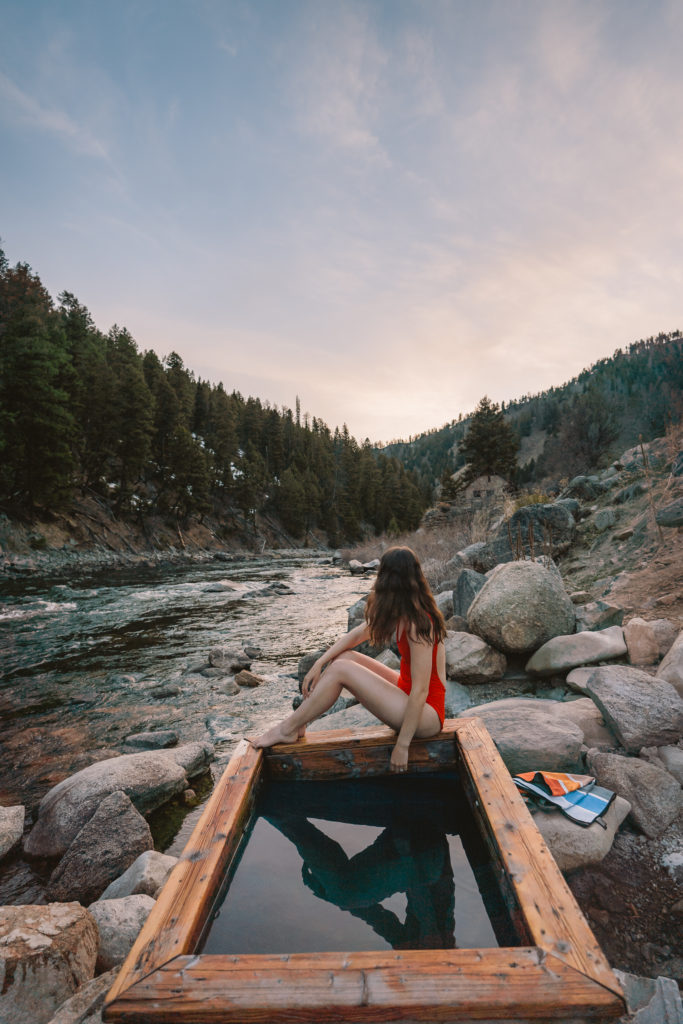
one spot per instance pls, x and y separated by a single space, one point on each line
578 678
567 652
579 597
149 779
520 607
654 795
672 759
574 846
119 923
444 602
598 615
248 679
389 659
356 613
45 954
457 699
153 740
106 845
145 875
641 641
533 530
671 669
306 662
457 624
666 632
468 585
356 568
640 710
83 1007
584 713
630 493
470 557
571 504
469 659
229 659
530 736
650 1000
604 518
581 487
217 588
671 514
11 827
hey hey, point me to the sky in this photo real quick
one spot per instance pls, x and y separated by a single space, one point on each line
388 208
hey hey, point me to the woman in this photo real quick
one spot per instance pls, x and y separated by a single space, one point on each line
400 605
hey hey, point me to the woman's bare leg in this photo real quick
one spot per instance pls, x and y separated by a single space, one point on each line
374 691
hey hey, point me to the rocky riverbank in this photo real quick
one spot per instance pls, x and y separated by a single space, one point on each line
566 674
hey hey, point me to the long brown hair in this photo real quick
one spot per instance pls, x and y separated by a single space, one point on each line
402 592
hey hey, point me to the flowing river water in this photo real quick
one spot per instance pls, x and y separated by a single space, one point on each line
88 660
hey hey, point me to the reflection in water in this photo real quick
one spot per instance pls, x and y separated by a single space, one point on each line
407 857
358 865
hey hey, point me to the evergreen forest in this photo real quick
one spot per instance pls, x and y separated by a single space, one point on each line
575 428
83 412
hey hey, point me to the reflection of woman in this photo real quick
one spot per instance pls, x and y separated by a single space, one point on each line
413 859
400 606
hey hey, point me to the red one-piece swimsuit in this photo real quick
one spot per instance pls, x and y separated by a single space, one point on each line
436 697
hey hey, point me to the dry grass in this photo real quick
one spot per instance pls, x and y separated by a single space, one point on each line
434 547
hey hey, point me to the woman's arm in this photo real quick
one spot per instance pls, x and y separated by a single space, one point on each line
358 635
420 671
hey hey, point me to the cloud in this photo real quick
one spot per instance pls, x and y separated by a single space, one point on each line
50 119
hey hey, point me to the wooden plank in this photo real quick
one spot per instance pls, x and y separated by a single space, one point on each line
357 753
550 912
420 985
176 920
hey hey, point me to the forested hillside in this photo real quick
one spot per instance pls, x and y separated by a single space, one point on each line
576 427
87 412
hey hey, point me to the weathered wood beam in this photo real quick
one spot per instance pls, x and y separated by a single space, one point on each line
551 915
176 920
418 985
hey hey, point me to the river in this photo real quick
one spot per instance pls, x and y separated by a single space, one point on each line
88 660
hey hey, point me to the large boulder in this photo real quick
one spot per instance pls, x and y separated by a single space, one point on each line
444 602
567 652
45 954
149 779
531 531
654 795
584 713
467 587
672 759
598 615
640 710
114 837
521 606
671 514
641 641
85 1005
469 659
118 923
666 632
671 669
145 875
11 827
573 846
530 735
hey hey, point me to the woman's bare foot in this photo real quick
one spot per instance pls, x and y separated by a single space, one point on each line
277 734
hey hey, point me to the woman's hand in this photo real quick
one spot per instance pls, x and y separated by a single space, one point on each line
310 679
399 758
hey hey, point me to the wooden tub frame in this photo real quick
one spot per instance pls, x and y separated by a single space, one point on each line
558 973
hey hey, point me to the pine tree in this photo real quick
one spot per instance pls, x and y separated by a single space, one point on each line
490 445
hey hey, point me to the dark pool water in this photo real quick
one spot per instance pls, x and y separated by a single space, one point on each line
360 865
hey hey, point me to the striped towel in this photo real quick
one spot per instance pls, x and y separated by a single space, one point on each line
576 796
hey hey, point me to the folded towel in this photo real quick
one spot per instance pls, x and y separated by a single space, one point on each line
577 796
